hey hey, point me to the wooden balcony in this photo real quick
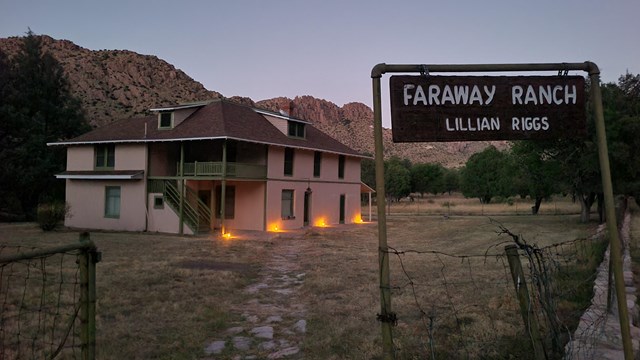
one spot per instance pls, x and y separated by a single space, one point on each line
214 169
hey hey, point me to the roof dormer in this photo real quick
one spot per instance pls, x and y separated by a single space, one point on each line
292 127
296 129
165 120
172 116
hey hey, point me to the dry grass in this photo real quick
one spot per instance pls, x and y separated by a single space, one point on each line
162 296
456 204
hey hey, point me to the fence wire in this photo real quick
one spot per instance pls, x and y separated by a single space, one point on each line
464 306
39 305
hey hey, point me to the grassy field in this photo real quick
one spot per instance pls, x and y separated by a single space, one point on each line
168 297
456 204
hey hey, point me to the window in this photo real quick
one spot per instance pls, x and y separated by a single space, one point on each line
296 129
112 202
105 156
158 202
229 201
341 167
287 204
288 161
317 159
165 120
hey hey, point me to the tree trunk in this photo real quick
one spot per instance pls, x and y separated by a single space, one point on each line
536 207
601 215
585 206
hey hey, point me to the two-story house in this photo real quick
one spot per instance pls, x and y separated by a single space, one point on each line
210 165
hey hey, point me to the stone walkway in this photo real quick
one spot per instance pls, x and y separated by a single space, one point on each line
275 322
598 333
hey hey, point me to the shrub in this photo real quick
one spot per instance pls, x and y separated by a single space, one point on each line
50 215
448 204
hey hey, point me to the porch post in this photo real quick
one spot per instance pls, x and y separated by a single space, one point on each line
223 190
182 185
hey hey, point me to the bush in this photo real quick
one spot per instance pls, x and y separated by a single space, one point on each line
51 215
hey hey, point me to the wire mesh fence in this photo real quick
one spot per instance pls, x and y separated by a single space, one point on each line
471 306
46 307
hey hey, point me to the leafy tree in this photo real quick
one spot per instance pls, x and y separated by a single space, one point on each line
485 175
368 172
576 160
622 112
427 178
38 109
536 173
397 178
451 180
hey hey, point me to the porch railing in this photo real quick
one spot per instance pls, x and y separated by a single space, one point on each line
236 170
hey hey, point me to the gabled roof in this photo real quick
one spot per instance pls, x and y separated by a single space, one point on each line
219 119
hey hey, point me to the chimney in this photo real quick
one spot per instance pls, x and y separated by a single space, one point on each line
286 109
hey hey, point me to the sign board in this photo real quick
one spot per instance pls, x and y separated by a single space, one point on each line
468 108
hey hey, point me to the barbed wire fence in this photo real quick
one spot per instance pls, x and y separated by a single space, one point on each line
470 305
47 301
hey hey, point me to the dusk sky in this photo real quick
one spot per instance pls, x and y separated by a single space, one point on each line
263 49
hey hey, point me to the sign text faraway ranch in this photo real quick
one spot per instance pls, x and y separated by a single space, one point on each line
464 108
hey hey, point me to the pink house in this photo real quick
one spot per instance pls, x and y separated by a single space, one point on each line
212 165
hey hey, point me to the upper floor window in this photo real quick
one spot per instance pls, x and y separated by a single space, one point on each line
288 161
296 129
317 160
105 156
165 120
341 167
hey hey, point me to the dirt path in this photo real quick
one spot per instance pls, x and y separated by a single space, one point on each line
274 322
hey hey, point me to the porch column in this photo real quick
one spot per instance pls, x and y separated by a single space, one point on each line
182 189
223 187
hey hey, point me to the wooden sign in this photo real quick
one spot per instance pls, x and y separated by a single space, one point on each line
468 108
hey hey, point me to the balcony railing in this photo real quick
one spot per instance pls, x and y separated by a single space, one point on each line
234 170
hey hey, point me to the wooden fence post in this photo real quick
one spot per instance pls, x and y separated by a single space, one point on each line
87 264
526 308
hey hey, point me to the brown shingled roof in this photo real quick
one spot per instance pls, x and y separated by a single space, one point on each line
218 119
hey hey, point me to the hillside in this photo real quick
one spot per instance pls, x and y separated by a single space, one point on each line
117 84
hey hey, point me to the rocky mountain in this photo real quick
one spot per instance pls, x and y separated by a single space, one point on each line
117 84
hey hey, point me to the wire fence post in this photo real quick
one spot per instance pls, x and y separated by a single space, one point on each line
87 264
526 308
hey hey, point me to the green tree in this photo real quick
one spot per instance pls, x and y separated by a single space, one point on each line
622 112
535 173
486 175
39 108
427 178
451 180
397 178
368 172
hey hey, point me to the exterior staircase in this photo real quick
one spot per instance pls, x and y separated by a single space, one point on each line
196 213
